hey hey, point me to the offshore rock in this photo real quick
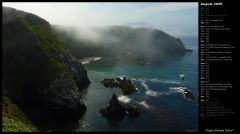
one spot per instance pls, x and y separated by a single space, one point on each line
114 109
124 84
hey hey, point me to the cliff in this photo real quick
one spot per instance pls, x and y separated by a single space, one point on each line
40 75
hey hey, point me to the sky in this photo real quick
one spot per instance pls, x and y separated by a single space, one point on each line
178 19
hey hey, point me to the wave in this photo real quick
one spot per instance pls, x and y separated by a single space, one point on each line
143 83
149 91
164 81
90 59
124 99
133 79
122 76
157 80
144 103
177 89
152 93
85 62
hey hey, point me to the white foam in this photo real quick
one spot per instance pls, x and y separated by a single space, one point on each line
133 79
152 93
85 62
143 83
124 99
122 76
178 89
165 81
149 91
144 103
97 58
88 60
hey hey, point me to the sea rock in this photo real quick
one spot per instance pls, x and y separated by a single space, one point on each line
132 110
124 84
114 109
40 75
188 95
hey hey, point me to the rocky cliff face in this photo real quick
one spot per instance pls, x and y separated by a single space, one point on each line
39 72
121 41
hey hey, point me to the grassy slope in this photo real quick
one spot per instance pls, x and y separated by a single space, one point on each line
52 47
13 119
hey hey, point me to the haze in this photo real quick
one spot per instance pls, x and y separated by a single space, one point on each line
177 19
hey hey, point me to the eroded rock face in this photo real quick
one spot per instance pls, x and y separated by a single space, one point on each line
188 95
132 110
125 84
39 73
114 109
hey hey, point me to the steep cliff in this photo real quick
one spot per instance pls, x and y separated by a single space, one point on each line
39 73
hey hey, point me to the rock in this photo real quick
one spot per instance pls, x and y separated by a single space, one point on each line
114 109
188 95
109 83
124 84
40 75
132 110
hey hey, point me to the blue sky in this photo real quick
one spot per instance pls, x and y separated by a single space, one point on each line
178 19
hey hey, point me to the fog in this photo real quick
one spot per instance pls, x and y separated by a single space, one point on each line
127 30
120 41
177 19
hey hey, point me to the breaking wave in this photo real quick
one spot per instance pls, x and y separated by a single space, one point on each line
177 89
90 59
124 99
144 103
149 91
165 81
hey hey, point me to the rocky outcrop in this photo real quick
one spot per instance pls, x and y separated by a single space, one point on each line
188 95
40 75
116 110
132 110
124 84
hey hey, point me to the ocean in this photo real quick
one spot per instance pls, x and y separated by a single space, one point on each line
160 94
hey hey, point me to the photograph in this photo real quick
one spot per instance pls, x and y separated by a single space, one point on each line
100 67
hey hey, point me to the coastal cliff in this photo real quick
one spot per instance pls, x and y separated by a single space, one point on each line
39 73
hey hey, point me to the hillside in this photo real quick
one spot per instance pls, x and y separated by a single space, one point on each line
39 74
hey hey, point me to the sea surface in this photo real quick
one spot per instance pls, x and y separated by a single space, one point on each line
159 95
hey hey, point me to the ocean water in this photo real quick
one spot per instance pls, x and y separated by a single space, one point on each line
159 95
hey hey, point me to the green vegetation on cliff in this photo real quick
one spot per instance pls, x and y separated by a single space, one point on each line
13 119
40 75
52 47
